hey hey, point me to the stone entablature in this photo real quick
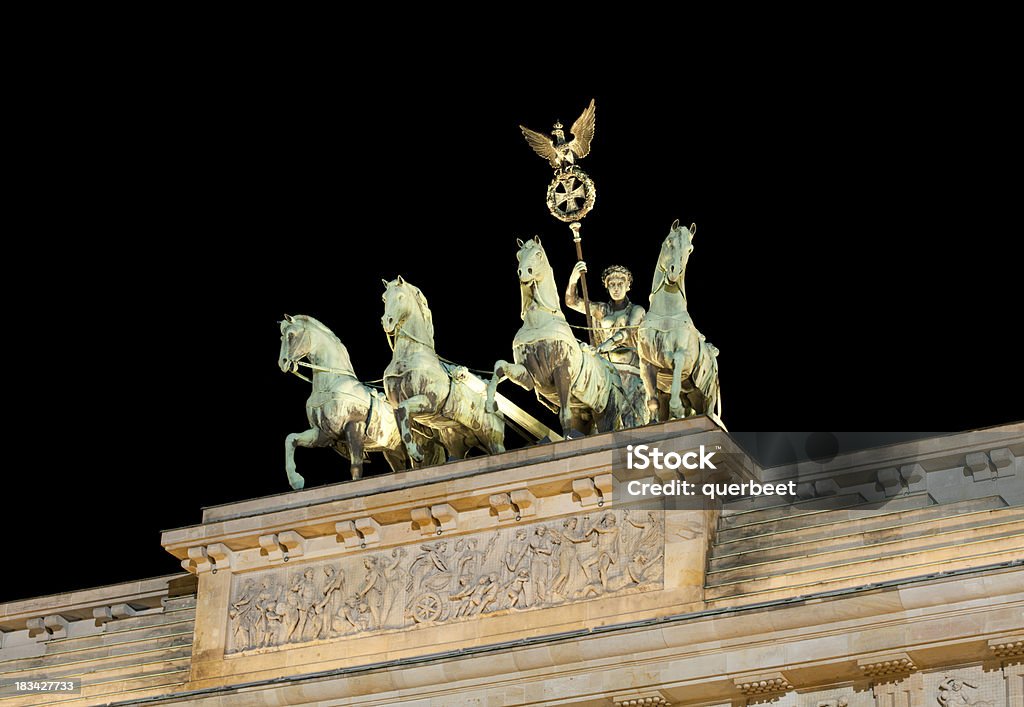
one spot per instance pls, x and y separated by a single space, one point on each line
523 549
131 638
439 585
99 604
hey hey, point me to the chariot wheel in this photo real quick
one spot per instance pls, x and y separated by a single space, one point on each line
426 607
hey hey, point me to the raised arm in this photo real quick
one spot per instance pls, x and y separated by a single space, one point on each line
629 519
573 300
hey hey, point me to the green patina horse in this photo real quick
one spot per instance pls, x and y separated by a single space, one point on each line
342 412
569 377
679 367
427 391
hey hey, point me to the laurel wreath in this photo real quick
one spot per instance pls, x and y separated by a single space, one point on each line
589 195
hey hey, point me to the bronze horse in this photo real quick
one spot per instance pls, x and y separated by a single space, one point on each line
569 377
342 412
679 367
427 391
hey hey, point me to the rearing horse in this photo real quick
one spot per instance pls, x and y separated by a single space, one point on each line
568 377
425 390
670 345
342 412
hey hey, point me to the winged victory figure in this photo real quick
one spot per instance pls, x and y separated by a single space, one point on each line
555 149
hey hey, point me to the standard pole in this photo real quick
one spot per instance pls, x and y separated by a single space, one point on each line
575 226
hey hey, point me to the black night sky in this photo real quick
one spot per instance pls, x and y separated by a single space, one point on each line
855 263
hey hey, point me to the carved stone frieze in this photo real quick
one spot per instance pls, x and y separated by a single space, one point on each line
511 568
953 691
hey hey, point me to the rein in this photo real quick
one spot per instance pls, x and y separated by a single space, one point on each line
539 303
321 369
399 331
665 283
661 268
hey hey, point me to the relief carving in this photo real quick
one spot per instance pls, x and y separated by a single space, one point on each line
508 569
954 692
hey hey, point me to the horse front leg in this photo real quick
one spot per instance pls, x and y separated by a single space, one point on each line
649 373
406 410
675 405
354 431
312 437
515 372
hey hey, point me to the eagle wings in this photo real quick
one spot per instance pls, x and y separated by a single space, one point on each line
565 152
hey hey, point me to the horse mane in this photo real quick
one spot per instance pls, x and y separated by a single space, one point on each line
328 333
659 276
421 302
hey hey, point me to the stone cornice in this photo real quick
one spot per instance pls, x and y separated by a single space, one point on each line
650 701
1007 647
80 604
932 454
886 665
406 507
469 468
762 684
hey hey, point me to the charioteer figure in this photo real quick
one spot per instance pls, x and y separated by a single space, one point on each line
615 322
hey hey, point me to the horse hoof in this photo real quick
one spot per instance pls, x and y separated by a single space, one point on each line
296 482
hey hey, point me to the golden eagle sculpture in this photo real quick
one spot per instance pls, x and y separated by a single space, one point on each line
555 149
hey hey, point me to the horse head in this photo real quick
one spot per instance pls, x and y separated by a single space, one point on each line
533 261
303 336
295 343
675 252
535 281
405 304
